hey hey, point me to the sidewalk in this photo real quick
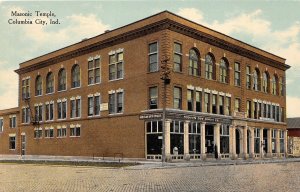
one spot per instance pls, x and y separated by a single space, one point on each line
146 164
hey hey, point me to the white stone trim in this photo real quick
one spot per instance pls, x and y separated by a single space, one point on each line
23 133
58 100
199 89
90 59
97 94
111 91
119 90
12 135
207 90
214 92
72 98
119 50
221 93
72 126
78 97
63 126
228 94
58 127
190 87
111 52
97 57
90 95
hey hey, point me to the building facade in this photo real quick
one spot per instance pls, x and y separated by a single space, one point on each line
293 127
105 96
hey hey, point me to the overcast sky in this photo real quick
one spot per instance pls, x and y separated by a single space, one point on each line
270 25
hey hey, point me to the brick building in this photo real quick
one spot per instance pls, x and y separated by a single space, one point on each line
104 96
293 127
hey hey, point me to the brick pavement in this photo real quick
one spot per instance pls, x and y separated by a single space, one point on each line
252 177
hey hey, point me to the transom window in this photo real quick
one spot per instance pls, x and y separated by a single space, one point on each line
62 80
177 57
209 67
223 71
194 64
153 57
75 76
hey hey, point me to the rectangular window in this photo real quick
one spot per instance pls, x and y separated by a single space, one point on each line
177 57
221 105
248 77
153 57
94 105
177 98
62 110
1 124
214 104
190 99
25 115
49 111
75 108
75 132
153 100
237 105
198 101
12 122
116 103
206 103
38 133
115 66
237 74
94 71
249 109
61 132
49 133
12 143
25 89
38 113
259 110
228 106
265 110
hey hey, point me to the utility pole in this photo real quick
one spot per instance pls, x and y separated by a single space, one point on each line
166 81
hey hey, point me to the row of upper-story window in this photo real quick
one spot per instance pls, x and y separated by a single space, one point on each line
116 71
12 122
256 79
205 100
46 111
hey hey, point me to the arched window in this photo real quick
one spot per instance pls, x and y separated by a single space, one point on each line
266 82
38 85
62 80
194 66
49 83
75 76
209 67
224 71
274 85
256 80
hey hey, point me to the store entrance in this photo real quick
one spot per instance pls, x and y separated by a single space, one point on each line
209 140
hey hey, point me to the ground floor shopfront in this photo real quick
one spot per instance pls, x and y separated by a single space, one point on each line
200 136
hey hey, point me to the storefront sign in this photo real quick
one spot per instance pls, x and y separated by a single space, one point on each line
151 116
103 106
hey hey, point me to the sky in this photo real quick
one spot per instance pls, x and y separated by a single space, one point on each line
273 26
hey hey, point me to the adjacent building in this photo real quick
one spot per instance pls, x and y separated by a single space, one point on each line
293 127
109 96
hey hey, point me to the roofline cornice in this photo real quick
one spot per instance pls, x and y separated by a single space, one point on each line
152 28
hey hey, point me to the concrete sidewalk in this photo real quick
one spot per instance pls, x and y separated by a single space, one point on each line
147 164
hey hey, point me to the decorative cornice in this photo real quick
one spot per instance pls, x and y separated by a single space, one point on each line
149 29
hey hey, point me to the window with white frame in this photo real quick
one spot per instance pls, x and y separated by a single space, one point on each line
177 57
274 85
214 104
248 77
237 74
50 83
49 132
194 63
38 133
75 74
94 71
153 100
209 67
206 102
198 101
223 71
190 99
25 115
94 105
75 110
153 57
61 132
228 106
38 111
26 88
116 102
237 104
38 85
61 109
265 82
12 142
116 66
221 104
74 130
13 121
1 124
62 79
177 98
49 111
